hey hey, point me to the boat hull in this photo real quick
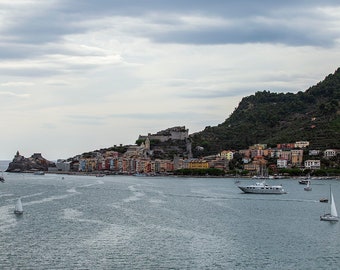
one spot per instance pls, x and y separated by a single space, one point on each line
303 182
17 212
262 190
329 217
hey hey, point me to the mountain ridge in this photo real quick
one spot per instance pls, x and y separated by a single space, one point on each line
272 118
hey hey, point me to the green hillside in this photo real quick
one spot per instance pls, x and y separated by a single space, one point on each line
271 118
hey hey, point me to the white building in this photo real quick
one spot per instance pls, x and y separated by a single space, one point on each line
314 152
63 165
312 164
301 144
330 153
281 163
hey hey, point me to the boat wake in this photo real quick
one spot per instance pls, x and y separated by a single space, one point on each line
7 219
6 195
76 215
137 195
49 199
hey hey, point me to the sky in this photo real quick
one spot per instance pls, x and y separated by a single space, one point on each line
77 76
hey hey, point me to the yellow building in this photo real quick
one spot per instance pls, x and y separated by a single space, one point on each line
297 157
229 155
197 164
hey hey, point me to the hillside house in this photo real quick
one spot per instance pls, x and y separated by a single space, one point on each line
227 154
281 163
312 164
301 144
297 157
330 153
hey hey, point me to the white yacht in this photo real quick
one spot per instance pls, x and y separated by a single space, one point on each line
263 188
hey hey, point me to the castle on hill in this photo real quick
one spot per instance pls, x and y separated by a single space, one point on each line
174 133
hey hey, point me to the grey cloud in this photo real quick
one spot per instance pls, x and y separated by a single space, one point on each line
157 115
230 93
236 9
29 72
86 119
27 35
296 25
211 94
146 116
238 36
298 28
105 119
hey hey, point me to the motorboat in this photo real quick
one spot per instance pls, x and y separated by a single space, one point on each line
323 200
303 181
263 188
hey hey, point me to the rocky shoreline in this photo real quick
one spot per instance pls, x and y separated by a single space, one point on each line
34 163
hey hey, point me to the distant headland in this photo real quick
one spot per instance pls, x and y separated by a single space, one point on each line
34 163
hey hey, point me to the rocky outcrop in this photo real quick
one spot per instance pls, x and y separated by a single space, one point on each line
34 163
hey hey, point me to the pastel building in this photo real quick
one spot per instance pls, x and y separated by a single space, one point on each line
196 164
297 157
225 154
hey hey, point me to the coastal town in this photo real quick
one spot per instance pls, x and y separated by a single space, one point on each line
141 159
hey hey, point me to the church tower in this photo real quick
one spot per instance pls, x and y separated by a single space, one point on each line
147 144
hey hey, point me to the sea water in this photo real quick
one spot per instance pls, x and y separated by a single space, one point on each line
126 222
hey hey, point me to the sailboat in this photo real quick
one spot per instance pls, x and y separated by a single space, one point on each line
308 187
333 215
18 208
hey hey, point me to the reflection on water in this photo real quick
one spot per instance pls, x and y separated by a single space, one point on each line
120 222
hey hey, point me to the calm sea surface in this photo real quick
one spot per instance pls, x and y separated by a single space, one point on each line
122 222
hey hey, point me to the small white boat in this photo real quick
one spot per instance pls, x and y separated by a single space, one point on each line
18 208
333 215
303 182
263 188
308 187
323 200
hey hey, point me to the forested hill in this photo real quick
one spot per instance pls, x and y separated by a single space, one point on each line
271 118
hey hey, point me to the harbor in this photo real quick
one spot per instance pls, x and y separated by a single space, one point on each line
127 222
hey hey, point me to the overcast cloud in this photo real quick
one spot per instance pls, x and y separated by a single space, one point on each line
77 76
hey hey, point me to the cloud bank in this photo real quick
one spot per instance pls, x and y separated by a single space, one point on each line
91 74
